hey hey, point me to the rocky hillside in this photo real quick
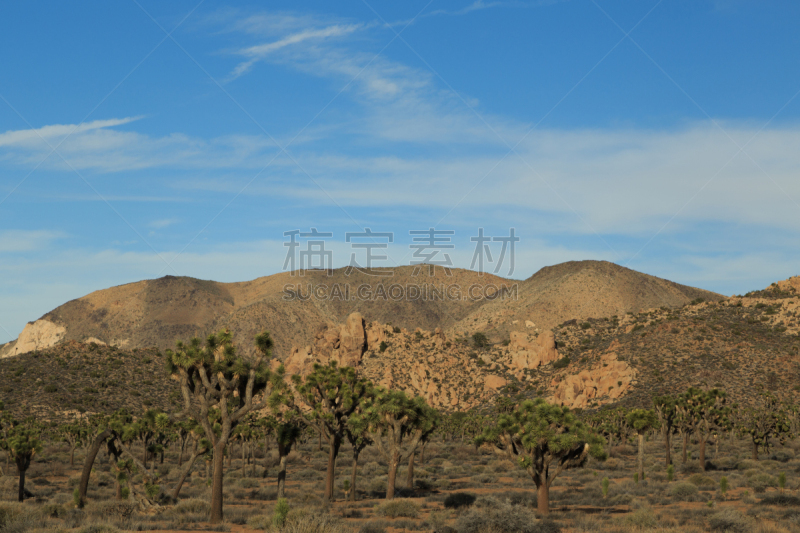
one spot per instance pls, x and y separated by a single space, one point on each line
155 313
739 344
75 379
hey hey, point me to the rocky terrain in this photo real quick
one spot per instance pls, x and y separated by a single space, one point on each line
738 343
156 313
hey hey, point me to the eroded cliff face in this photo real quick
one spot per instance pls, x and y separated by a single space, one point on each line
38 335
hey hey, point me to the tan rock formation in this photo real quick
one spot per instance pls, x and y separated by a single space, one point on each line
37 336
604 383
532 352
494 382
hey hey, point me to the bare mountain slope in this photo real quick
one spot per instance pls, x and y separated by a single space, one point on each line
159 312
580 289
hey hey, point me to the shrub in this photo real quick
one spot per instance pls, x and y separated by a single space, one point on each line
700 480
670 473
490 515
459 499
383 346
782 500
280 512
683 491
641 519
99 528
562 363
374 526
399 507
193 506
729 519
480 340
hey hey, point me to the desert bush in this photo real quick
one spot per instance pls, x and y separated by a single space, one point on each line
782 500
116 510
193 505
374 526
683 491
99 528
459 499
700 480
642 518
729 519
399 507
494 516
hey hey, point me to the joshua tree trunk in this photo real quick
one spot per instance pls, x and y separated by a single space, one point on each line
244 465
755 451
702 452
333 451
410 478
283 453
543 499
641 456
422 454
685 444
353 476
667 448
22 482
118 495
88 462
72 456
394 462
185 473
216 483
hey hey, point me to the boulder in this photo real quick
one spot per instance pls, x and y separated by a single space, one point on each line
494 382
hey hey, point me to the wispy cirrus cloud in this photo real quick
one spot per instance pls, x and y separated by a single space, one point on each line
260 52
13 241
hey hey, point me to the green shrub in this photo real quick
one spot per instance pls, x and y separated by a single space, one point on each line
683 491
280 512
605 487
641 519
398 507
459 499
700 480
562 363
670 473
729 519
490 514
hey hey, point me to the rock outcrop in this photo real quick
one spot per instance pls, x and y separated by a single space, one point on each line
343 343
37 335
604 383
528 352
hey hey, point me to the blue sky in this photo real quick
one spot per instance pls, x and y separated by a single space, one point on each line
139 139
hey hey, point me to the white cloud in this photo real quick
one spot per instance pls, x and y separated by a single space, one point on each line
261 51
12 241
52 134
163 223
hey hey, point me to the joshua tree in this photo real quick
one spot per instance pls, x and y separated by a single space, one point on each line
23 443
665 411
765 420
397 425
288 426
358 436
74 434
334 394
642 421
538 436
214 377
708 412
